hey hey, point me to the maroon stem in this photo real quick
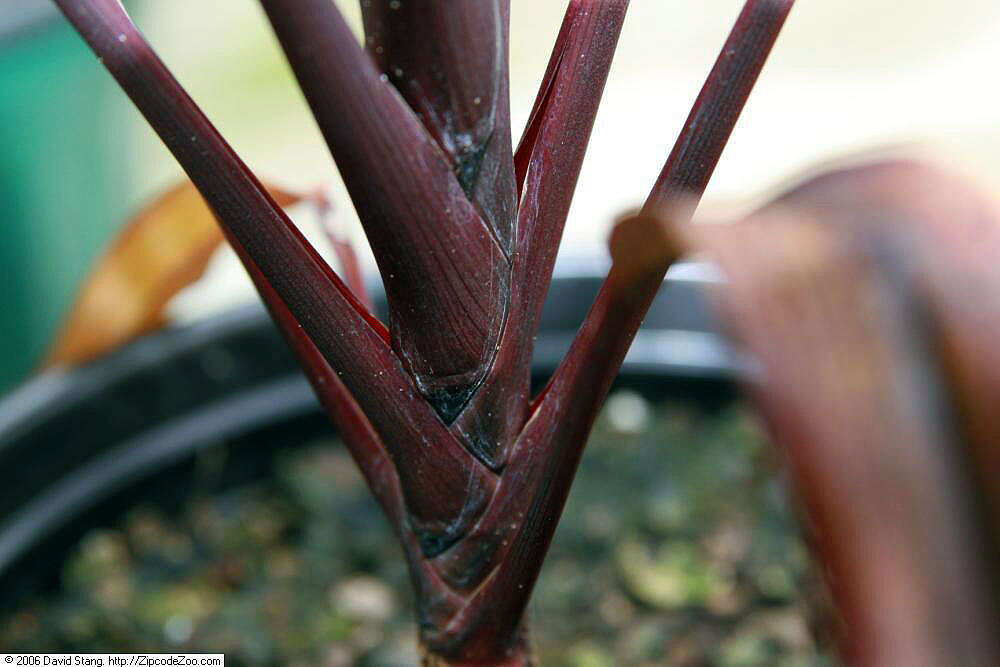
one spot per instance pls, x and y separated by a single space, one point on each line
436 603
520 521
342 247
449 61
445 488
624 298
548 163
445 273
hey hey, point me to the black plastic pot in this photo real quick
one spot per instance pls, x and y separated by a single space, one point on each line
78 448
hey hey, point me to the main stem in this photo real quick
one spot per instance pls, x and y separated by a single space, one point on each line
474 496
521 653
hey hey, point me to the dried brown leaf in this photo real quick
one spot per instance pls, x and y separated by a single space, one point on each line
163 249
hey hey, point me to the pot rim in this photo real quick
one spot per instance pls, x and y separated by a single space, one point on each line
693 352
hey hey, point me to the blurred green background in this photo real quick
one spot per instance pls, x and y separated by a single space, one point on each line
63 188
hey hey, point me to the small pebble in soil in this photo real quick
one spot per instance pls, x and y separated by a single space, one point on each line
677 547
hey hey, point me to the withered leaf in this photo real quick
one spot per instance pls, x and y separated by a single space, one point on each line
161 250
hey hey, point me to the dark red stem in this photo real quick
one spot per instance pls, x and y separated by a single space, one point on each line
445 273
445 488
521 520
548 161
